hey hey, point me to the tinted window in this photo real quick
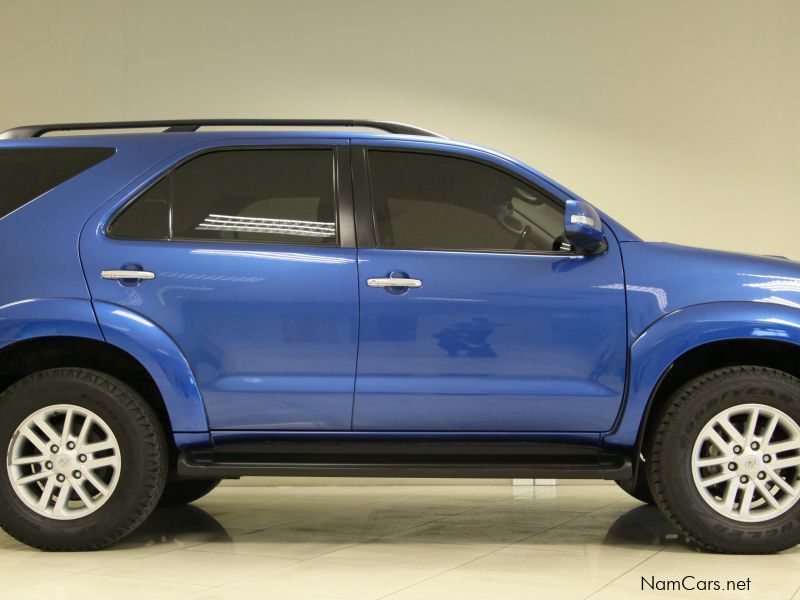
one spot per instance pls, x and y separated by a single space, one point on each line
147 218
26 173
279 196
426 201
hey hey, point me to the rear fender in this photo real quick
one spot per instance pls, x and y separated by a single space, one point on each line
144 341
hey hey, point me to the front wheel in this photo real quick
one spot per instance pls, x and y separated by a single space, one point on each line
86 460
724 462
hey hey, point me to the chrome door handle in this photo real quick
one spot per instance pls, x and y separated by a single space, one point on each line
399 282
118 274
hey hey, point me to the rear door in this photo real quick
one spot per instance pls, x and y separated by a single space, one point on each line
472 317
252 256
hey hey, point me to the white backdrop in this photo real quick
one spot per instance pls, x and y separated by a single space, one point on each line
680 118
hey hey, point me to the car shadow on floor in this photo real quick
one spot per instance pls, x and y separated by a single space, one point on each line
188 524
643 526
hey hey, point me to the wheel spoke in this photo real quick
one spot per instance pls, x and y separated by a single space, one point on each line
98 485
734 433
752 421
783 446
97 463
67 428
97 447
47 493
712 461
782 483
27 460
721 478
730 494
747 499
62 499
84 495
770 430
766 494
34 439
32 477
784 463
718 441
87 425
52 434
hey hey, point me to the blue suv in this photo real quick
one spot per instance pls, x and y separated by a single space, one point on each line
193 304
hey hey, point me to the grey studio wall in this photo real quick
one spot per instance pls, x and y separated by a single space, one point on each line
680 118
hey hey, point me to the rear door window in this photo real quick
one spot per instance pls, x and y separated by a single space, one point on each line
274 196
277 196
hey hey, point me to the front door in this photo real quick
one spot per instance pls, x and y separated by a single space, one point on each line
251 280
473 318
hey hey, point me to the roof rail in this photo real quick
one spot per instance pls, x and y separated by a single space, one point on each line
183 125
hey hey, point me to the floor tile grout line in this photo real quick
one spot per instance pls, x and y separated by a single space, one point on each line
621 575
299 561
466 510
92 570
28 585
487 554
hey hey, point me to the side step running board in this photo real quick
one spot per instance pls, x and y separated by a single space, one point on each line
204 467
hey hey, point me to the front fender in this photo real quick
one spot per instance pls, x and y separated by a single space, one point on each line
668 338
162 358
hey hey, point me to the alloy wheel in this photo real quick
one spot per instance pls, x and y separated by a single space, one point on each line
63 462
746 463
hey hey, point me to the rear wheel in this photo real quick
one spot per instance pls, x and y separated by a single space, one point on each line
725 460
184 491
85 460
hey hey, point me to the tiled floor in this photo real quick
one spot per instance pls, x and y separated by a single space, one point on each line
398 542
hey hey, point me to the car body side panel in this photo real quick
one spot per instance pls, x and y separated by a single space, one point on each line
162 358
681 297
40 257
492 341
44 291
662 278
269 330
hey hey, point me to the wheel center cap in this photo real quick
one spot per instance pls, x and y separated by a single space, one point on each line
750 463
63 462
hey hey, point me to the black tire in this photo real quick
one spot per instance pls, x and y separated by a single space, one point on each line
669 468
641 491
184 491
142 449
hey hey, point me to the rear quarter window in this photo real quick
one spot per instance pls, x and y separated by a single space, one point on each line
27 173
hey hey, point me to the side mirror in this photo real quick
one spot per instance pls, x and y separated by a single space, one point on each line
583 227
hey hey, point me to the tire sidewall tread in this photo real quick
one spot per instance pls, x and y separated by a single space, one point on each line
143 450
669 459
